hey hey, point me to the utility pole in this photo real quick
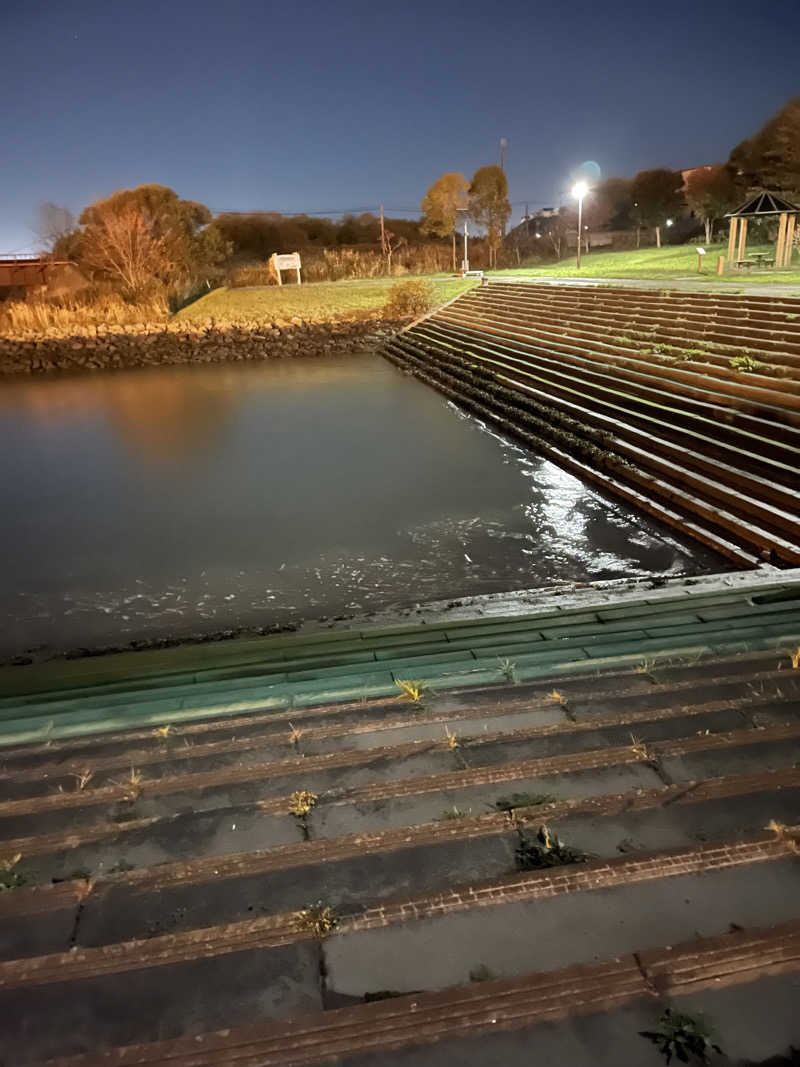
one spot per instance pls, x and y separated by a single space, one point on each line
383 235
503 147
465 264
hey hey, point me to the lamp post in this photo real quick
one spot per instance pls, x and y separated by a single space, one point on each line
579 191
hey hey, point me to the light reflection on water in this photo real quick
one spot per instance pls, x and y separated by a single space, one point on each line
183 499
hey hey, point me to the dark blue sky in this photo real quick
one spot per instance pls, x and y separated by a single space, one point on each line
325 106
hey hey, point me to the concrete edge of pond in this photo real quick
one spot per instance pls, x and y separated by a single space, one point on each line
587 631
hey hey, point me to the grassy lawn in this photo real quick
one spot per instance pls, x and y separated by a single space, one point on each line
315 302
673 261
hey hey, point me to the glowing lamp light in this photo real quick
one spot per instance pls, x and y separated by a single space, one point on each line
579 191
669 222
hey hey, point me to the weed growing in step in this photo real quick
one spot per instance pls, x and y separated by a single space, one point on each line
294 735
162 731
744 363
560 699
791 317
778 828
522 800
545 850
317 919
646 667
643 752
508 669
411 690
10 875
132 785
82 779
452 740
301 803
454 813
686 1037
795 658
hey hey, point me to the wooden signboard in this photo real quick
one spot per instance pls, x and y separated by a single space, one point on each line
291 261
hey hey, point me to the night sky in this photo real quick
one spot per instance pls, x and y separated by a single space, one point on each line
329 107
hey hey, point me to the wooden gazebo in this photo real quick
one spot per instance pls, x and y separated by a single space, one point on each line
763 205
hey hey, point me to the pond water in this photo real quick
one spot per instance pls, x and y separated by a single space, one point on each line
185 499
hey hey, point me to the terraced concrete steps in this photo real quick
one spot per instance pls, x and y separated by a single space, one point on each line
547 364
655 978
165 889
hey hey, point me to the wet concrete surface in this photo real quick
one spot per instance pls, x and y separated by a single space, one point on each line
119 912
752 1022
522 937
162 1002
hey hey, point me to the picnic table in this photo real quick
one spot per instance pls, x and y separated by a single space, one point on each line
755 259
762 259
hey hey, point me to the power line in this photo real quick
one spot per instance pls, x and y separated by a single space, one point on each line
371 208
361 210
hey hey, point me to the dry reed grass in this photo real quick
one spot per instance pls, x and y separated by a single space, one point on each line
37 316
337 264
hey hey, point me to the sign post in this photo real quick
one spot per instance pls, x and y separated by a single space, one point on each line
290 261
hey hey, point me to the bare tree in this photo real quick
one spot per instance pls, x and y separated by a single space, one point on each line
123 246
391 243
53 222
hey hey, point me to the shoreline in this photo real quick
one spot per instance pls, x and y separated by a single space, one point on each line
481 606
175 343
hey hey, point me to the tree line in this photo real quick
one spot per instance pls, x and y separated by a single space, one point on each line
148 238
649 200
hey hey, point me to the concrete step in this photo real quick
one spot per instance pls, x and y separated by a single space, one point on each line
264 969
590 1014
618 352
645 329
729 332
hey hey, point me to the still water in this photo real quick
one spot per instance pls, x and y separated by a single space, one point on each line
185 499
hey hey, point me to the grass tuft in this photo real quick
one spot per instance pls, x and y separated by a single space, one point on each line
411 690
317 919
301 803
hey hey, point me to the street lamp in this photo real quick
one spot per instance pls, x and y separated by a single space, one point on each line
579 191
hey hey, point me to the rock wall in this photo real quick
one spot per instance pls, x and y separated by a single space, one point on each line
101 348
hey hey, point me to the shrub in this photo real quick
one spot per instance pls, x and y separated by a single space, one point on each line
409 299
545 850
744 363
687 1037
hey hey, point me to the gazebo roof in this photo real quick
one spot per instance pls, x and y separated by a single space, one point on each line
764 204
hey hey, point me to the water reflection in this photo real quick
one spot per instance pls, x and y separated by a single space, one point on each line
184 499
157 418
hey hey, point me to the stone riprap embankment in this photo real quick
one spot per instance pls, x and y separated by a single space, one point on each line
147 345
